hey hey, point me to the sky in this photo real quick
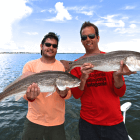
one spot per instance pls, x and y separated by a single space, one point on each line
23 24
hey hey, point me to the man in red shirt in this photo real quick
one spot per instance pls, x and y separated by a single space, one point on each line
99 92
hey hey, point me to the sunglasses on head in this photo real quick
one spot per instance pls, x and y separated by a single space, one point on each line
84 37
49 45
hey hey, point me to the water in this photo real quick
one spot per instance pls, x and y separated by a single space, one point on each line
12 113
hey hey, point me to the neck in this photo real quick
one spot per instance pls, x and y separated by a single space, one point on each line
92 52
47 60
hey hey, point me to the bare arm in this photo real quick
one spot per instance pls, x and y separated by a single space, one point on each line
63 93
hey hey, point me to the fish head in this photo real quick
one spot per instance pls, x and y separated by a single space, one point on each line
73 82
133 63
69 81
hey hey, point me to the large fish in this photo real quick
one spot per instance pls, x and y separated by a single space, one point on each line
107 62
47 82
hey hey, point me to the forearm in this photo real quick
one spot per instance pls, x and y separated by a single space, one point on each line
119 85
120 91
66 96
83 83
63 94
118 81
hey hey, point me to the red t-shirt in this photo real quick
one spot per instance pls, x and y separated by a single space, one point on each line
100 103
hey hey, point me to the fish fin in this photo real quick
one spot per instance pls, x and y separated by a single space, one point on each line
60 85
49 93
45 71
132 68
88 55
19 95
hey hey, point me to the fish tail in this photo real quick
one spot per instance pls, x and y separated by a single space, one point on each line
67 65
71 66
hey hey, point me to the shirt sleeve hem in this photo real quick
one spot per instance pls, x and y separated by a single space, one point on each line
120 91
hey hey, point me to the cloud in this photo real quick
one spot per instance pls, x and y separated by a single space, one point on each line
11 11
129 7
29 46
110 22
132 26
43 11
76 17
129 45
82 10
90 13
62 13
31 33
76 47
52 10
131 31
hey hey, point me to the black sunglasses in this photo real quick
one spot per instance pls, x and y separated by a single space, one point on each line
84 37
49 45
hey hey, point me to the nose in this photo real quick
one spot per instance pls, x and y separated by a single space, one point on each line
51 46
88 38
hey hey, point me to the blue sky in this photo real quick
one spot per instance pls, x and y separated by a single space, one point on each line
25 22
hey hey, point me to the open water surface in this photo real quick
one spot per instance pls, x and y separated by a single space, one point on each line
12 113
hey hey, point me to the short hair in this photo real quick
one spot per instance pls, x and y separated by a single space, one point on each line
50 35
88 24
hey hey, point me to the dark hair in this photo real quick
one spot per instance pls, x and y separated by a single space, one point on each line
50 35
88 24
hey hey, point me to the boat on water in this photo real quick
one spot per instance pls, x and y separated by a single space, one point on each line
124 108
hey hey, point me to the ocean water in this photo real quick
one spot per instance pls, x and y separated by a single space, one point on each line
12 113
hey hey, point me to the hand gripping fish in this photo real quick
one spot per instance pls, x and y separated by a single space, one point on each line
107 62
47 82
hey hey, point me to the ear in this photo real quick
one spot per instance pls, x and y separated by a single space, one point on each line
41 46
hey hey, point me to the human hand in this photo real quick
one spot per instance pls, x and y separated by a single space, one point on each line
124 70
86 70
62 93
117 75
32 91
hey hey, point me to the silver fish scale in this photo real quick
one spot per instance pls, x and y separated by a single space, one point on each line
45 79
41 78
109 59
110 56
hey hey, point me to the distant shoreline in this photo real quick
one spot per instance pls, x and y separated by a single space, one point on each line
32 53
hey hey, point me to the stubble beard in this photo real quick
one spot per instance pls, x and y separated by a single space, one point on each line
47 56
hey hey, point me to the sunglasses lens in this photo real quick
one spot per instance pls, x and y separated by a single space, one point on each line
84 37
54 46
47 44
91 36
